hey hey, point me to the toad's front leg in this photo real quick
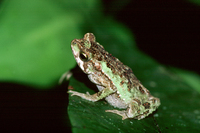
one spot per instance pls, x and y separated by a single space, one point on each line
95 97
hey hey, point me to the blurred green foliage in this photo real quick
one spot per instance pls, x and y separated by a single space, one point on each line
197 2
35 40
35 50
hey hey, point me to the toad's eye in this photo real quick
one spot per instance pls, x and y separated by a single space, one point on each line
83 56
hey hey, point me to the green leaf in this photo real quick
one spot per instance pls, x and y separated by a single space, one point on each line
190 78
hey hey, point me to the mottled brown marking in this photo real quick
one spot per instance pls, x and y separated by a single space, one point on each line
146 105
129 70
129 87
113 70
99 93
146 112
85 66
148 92
141 90
138 101
70 87
139 116
99 68
90 36
153 101
100 58
125 74
108 65
138 111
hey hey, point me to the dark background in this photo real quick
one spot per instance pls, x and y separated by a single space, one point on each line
167 30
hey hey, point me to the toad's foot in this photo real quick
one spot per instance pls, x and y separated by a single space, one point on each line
121 113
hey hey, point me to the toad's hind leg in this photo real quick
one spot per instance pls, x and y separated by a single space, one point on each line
131 112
